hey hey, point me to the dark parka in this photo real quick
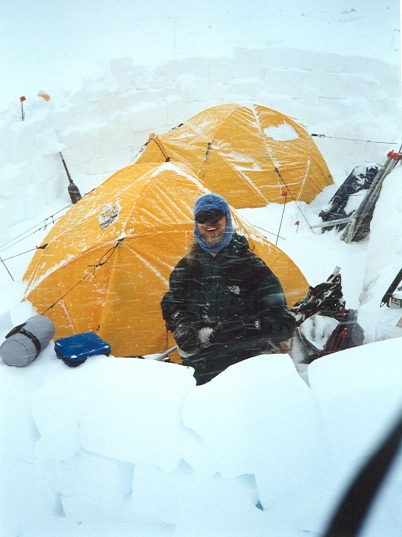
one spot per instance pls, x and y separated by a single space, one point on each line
234 284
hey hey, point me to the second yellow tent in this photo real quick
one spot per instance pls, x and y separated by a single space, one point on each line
250 155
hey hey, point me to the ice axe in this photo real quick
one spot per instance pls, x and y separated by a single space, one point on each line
73 191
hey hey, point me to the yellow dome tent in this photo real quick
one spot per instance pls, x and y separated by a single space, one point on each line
249 155
107 261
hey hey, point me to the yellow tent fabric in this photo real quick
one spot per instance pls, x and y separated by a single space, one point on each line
249 155
108 259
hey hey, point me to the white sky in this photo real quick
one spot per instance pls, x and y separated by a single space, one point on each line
48 44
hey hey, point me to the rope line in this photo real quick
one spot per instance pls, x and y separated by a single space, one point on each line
352 139
26 252
162 149
206 158
102 261
293 198
25 234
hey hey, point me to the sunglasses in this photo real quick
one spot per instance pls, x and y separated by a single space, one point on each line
212 216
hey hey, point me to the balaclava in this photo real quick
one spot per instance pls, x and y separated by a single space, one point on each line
206 203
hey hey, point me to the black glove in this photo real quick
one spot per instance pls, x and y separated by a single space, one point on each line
179 317
227 331
186 337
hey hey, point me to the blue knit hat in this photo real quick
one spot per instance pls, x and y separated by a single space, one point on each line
208 202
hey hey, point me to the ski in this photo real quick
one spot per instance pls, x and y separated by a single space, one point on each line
358 225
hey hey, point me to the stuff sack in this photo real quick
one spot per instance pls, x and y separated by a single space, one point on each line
347 334
25 341
320 335
74 350
323 324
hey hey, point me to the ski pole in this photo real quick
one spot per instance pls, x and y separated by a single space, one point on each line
73 191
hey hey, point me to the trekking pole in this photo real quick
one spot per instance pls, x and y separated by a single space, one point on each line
73 191
22 99
285 195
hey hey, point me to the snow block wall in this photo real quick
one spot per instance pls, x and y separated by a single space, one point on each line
132 447
102 127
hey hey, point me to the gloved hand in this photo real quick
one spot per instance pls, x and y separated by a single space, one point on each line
203 336
186 337
179 317
227 331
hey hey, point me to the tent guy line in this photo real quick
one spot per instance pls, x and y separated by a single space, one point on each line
24 235
102 261
140 148
352 139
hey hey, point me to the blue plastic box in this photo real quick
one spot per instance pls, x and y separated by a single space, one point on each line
74 350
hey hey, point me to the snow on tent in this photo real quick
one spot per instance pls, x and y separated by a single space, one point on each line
107 261
249 155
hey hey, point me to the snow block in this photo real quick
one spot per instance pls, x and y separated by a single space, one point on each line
46 142
224 504
21 145
122 70
265 404
89 479
367 377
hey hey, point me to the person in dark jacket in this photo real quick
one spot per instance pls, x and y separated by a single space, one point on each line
224 303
